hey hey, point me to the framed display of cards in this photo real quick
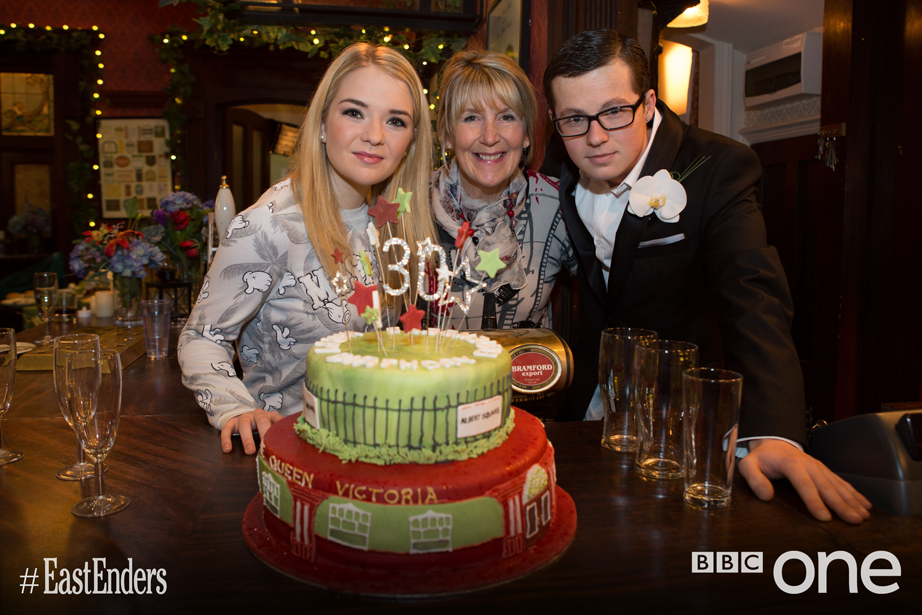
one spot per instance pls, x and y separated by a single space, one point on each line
508 29
133 162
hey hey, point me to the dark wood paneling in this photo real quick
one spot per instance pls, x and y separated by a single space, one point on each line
848 237
792 204
890 360
241 77
837 47
618 15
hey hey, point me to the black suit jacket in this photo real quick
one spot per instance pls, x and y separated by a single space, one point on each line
722 287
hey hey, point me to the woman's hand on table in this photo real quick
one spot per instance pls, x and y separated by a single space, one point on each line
817 485
244 424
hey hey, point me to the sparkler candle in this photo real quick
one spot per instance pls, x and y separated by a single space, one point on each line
399 266
403 198
425 249
465 266
341 286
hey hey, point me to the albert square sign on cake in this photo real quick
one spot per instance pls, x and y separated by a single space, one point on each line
480 417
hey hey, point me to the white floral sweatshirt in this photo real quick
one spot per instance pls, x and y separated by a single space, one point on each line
266 291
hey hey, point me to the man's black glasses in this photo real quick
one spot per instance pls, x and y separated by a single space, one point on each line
609 119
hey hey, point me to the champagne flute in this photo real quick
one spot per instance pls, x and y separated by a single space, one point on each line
7 380
64 346
95 381
46 295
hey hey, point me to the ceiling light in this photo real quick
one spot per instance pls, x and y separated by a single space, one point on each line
693 17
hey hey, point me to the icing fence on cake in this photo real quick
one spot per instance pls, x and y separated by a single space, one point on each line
398 399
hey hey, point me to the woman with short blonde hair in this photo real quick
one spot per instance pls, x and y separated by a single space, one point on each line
486 124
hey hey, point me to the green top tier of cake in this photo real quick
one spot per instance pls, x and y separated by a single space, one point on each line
406 402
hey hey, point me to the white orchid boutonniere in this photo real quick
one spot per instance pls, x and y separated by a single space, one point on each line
662 194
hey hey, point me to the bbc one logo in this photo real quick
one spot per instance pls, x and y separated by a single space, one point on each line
751 561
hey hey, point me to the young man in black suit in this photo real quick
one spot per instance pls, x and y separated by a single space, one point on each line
701 273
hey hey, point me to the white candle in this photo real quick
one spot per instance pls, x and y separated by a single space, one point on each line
105 304
84 316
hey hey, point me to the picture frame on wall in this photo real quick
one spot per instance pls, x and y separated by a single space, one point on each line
134 161
508 25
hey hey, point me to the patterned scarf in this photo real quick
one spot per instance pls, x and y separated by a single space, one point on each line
491 223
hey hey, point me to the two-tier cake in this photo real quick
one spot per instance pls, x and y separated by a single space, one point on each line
408 473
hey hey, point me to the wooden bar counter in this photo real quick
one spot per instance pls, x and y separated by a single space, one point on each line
633 547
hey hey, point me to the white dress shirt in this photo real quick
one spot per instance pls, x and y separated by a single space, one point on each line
601 208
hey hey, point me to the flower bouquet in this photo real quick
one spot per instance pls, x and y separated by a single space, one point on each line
125 253
32 223
180 219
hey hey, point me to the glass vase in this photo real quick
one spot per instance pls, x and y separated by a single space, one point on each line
34 242
127 301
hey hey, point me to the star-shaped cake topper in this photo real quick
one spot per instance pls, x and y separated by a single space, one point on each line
412 319
363 296
370 315
338 256
404 199
444 273
384 211
490 262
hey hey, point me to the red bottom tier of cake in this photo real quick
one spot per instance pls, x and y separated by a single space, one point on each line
345 569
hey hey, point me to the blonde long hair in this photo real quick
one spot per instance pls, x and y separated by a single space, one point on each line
310 169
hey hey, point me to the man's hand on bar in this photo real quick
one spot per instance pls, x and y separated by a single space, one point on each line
244 424
817 485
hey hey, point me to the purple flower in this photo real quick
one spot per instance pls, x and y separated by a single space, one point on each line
162 217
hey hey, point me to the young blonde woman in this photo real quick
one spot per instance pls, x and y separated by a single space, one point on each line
366 133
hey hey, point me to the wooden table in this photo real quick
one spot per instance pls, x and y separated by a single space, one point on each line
633 547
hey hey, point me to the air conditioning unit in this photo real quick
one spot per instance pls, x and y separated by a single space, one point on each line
785 71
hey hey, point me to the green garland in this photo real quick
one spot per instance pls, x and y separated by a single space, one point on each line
83 43
221 29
